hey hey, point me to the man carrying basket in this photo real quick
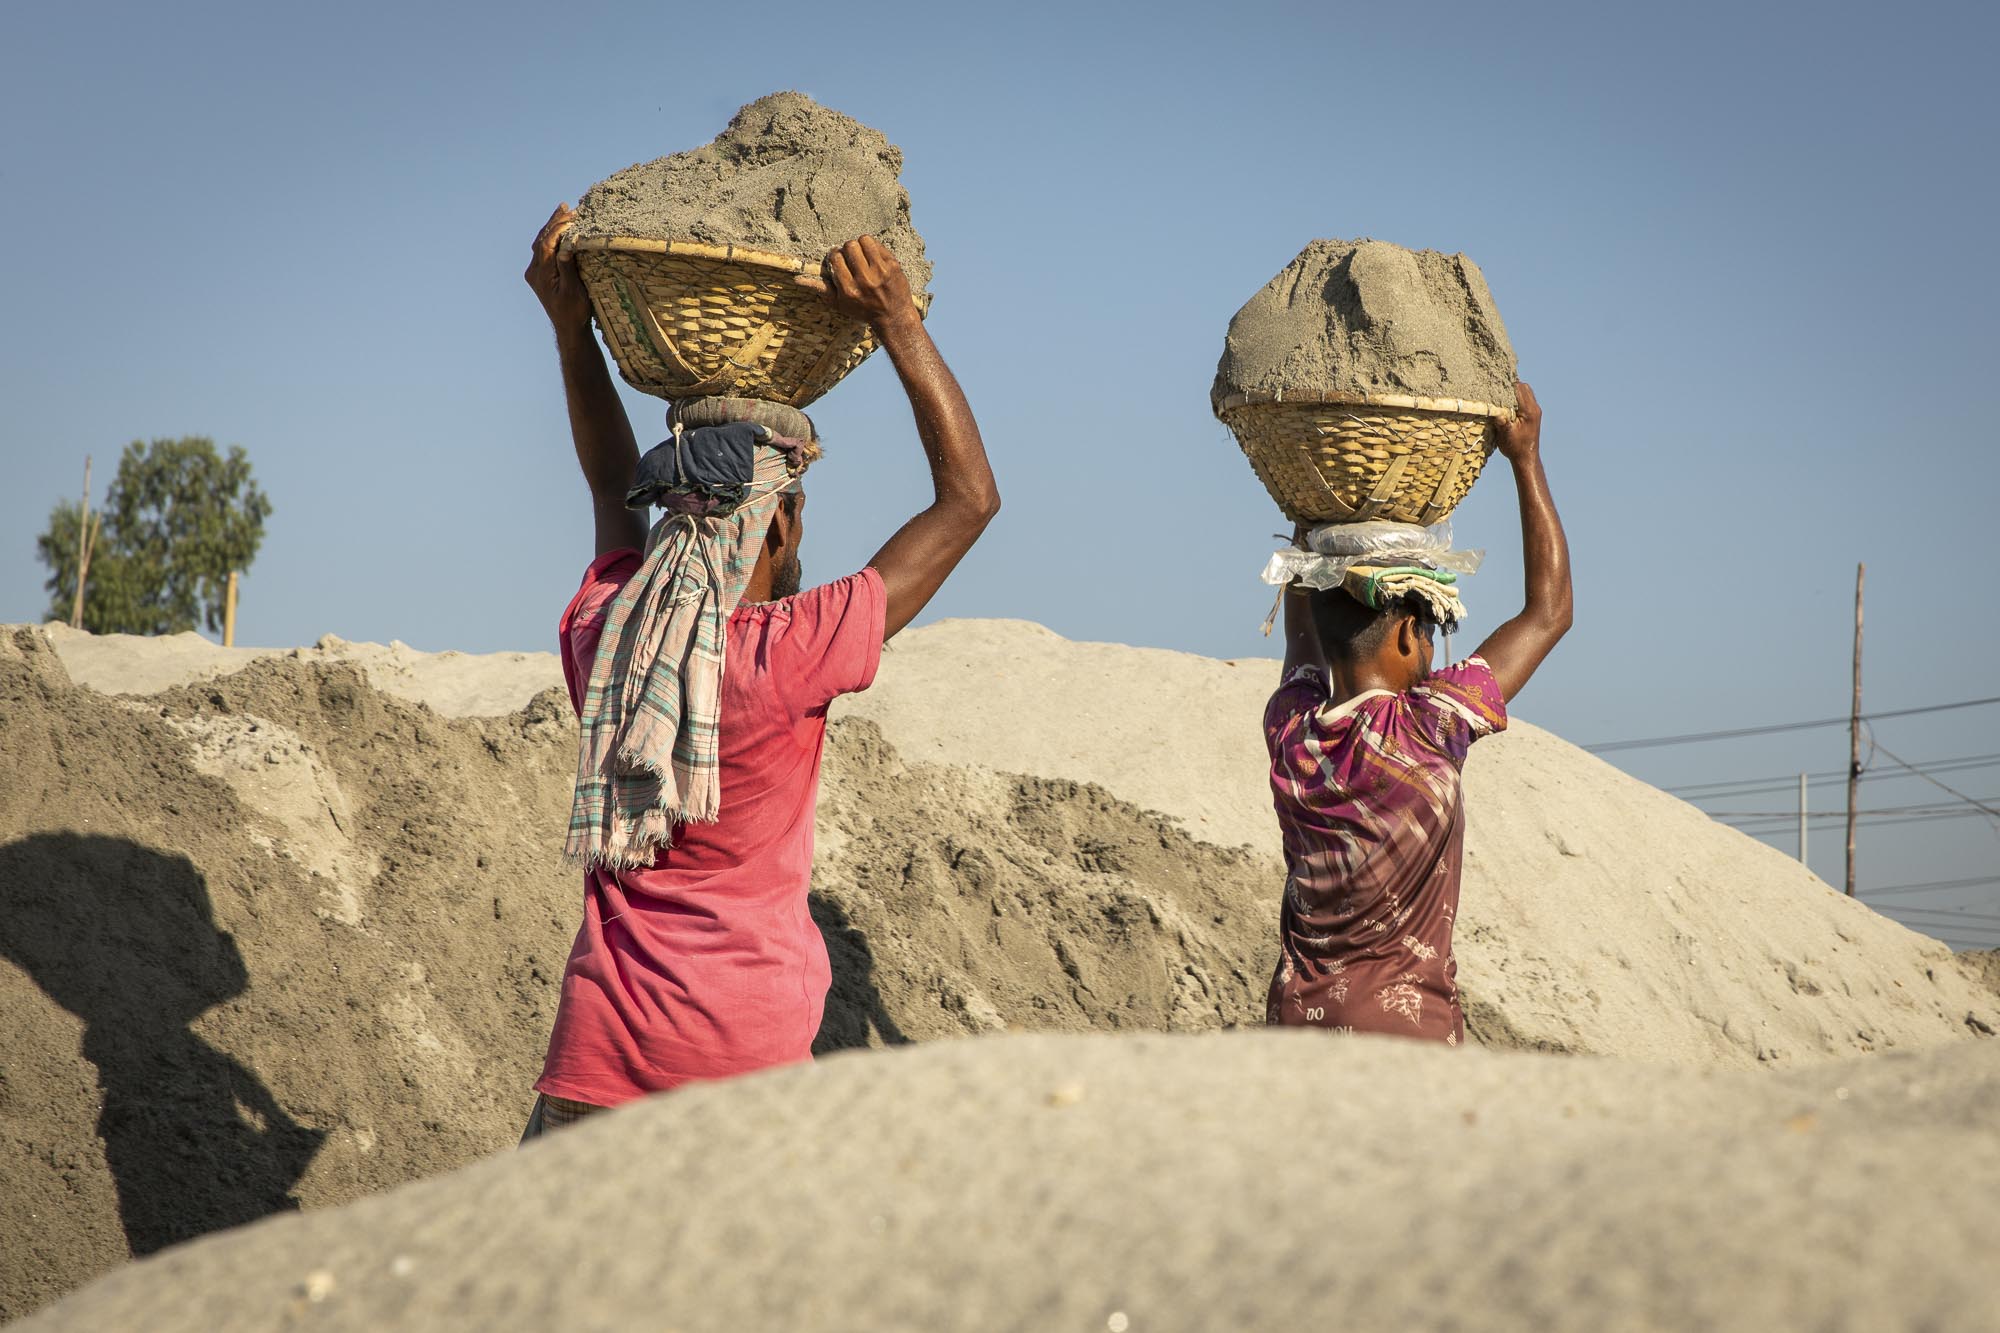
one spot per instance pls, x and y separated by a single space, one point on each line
702 675
1367 744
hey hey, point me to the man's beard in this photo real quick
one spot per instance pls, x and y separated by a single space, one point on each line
785 581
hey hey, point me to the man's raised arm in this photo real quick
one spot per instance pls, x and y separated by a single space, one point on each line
605 448
865 281
1516 648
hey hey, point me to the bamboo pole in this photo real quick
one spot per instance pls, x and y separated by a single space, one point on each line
229 612
1854 727
96 530
82 547
1802 822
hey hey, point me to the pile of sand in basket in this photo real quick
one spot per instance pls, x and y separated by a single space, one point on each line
1362 379
691 260
788 175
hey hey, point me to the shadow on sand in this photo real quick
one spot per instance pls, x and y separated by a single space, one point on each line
853 1004
125 938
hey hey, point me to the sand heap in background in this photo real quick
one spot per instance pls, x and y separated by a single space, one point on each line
288 933
1258 1180
1368 317
788 176
452 683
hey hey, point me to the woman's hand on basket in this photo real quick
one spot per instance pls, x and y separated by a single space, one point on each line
864 281
1520 439
553 276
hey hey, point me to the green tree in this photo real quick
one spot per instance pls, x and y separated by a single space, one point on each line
178 518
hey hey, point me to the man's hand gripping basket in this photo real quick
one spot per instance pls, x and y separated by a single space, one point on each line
1342 458
690 320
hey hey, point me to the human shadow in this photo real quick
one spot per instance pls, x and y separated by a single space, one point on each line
854 1006
124 937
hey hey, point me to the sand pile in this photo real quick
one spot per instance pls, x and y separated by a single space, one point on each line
1259 1180
277 938
788 175
284 936
452 683
1600 915
1369 317
255 952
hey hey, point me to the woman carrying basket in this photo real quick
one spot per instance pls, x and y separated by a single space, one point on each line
1367 744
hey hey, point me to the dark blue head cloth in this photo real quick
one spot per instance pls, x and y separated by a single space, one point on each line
707 470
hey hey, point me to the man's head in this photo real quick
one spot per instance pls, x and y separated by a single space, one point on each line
1395 642
778 574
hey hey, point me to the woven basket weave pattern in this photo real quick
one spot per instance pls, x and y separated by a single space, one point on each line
702 321
1339 462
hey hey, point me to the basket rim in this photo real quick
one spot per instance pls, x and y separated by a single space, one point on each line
1460 407
735 254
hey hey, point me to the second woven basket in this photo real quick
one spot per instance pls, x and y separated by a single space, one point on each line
686 319
1342 458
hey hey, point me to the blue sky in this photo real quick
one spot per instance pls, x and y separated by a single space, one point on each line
1742 251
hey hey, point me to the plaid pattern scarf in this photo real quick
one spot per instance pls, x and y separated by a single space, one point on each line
648 759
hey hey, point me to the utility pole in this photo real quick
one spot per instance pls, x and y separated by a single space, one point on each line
1802 822
1854 728
229 613
82 547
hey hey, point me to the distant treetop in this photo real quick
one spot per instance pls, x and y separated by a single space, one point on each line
178 518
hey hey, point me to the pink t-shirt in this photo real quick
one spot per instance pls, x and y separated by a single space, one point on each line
707 963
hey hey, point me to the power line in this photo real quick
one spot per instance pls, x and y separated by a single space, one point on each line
1713 791
1931 886
1731 734
1926 807
1976 925
1771 824
1980 804
1978 920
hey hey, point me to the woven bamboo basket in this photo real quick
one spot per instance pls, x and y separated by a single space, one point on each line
1342 458
685 319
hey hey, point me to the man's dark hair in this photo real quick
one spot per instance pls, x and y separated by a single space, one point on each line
1349 631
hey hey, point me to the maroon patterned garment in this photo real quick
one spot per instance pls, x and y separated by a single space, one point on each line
1369 799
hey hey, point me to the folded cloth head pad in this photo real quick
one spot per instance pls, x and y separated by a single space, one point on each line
1392 559
1381 586
710 471
647 762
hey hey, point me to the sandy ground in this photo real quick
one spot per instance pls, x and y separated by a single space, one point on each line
281 929
1256 1180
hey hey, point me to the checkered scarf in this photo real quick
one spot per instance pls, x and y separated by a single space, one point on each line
648 757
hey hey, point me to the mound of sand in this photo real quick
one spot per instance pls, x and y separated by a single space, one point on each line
277 938
254 952
284 934
1260 1180
1370 317
1600 915
452 683
788 175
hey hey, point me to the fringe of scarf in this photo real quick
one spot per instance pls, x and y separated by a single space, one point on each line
647 762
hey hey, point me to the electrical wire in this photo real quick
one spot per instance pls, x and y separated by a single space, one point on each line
1779 823
1980 803
1932 886
1926 807
1732 733
1713 791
